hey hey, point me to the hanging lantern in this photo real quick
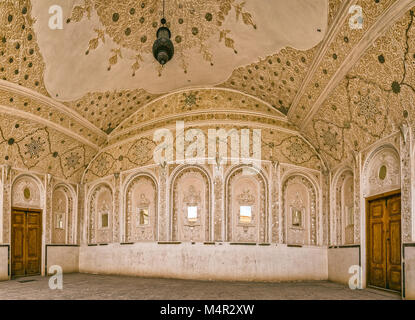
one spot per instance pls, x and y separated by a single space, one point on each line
163 48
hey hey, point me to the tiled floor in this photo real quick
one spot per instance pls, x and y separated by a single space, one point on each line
87 286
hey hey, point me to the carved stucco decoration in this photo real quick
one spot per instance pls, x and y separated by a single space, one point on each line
187 102
132 27
118 37
407 190
308 200
26 144
100 202
373 99
63 215
191 186
277 145
24 102
6 201
20 59
382 172
213 22
251 190
247 199
106 110
343 210
218 207
337 52
205 118
281 74
164 220
141 194
348 211
275 202
27 193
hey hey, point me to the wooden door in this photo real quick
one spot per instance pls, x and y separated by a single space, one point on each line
18 243
393 243
384 242
26 243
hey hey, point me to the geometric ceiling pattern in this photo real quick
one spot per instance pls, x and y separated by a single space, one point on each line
345 89
373 100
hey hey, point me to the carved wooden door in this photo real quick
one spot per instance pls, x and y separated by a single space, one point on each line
384 243
26 243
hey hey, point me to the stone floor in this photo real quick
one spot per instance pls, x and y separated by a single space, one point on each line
87 286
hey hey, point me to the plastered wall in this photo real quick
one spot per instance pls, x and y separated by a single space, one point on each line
220 261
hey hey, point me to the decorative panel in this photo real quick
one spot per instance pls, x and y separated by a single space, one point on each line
191 205
100 215
141 216
246 197
26 193
300 211
382 172
63 215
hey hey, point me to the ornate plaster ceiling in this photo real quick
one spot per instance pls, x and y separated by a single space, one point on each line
32 146
299 66
107 45
374 99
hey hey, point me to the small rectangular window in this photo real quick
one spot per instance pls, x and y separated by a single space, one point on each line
143 218
59 221
245 214
192 213
104 220
297 219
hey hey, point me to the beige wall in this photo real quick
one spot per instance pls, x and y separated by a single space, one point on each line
4 263
340 259
410 272
207 262
65 256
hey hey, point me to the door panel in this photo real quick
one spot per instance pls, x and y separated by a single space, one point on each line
377 244
394 243
377 252
377 209
384 241
18 243
26 243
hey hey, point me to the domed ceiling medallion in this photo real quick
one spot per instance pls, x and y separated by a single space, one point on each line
130 25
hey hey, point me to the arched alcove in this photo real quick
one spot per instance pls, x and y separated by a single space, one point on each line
342 218
191 204
246 191
141 203
100 213
63 215
300 208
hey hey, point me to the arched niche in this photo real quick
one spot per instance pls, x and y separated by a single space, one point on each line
27 192
63 215
382 171
100 214
141 217
246 205
343 214
191 204
300 205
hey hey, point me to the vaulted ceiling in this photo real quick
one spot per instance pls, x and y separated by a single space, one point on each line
292 63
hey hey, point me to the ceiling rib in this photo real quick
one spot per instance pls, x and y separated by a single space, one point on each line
11 87
334 28
116 130
26 115
386 20
194 113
